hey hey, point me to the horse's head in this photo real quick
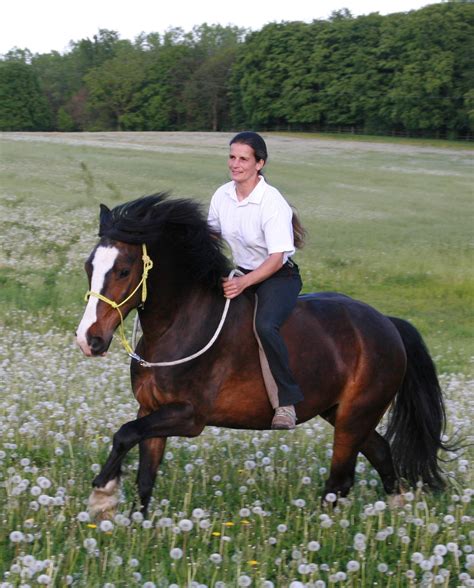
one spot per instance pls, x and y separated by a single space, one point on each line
115 270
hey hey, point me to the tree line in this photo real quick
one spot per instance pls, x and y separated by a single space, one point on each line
404 73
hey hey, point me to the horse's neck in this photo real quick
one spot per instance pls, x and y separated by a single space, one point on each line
176 317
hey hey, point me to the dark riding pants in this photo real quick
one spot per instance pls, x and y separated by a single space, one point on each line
277 297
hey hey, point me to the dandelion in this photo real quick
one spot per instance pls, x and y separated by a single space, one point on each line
382 568
353 566
43 483
314 546
244 581
215 558
282 528
176 553
16 537
83 517
90 543
330 497
106 526
137 517
185 525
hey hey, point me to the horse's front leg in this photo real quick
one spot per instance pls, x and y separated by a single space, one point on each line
174 419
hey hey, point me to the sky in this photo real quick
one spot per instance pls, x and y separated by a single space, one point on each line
46 25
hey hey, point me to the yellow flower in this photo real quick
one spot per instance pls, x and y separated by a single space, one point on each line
92 526
253 562
229 524
216 533
245 522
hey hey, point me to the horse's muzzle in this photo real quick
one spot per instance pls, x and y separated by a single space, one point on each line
98 345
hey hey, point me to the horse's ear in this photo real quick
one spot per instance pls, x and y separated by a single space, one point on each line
105 220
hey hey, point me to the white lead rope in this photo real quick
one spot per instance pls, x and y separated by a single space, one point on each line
145 363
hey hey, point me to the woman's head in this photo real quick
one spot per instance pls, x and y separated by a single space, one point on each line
255 141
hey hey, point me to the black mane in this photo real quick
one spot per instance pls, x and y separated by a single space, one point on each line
177 227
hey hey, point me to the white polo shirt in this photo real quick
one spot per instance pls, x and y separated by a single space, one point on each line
255 227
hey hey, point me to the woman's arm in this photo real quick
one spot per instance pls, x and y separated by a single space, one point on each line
236 286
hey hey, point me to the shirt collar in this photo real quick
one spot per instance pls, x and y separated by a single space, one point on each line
255 196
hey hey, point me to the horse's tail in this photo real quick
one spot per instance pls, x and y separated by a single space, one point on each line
417 420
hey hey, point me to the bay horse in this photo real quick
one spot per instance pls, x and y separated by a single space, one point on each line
351 361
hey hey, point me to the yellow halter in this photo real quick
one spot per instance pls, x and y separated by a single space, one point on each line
147 265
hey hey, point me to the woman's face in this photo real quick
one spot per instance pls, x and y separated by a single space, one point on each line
242 164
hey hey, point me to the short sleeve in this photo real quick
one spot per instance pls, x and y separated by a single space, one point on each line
277 225
213 215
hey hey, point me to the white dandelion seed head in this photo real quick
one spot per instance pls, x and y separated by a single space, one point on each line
106 526
176 553
215 558
185 525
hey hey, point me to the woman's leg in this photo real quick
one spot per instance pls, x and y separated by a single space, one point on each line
277 297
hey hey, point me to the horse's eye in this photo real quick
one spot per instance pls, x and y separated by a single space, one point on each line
124 273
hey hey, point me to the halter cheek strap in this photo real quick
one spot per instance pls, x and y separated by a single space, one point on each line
147 265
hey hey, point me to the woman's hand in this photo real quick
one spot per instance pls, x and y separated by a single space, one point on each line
234 286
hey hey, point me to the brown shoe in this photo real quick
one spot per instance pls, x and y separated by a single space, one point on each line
285 417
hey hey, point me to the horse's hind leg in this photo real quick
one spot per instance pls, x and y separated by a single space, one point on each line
377 450
354 431
151 454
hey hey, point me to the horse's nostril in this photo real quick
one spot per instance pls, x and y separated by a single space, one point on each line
97 344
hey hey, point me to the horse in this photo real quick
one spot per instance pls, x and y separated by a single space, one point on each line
158 255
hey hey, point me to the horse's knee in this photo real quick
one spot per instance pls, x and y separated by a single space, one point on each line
125 438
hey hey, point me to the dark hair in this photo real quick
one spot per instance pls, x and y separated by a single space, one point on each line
299 232
253 140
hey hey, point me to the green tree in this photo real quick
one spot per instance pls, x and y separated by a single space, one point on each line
206 92
23 106
114 88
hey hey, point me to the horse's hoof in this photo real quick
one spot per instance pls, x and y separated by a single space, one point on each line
103 501
396 501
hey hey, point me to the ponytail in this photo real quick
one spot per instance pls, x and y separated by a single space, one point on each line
299 232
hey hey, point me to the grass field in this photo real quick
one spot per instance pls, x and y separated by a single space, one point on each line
388 222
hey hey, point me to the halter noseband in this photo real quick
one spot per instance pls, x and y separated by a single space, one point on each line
147 265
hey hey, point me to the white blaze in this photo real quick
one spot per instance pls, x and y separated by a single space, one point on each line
102 262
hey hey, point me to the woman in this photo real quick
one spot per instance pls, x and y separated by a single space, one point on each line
257 223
